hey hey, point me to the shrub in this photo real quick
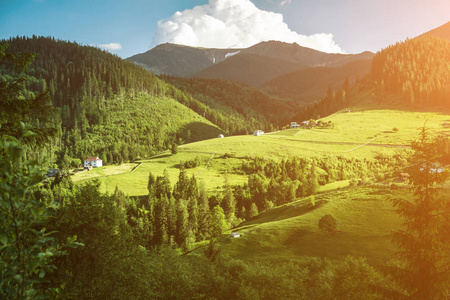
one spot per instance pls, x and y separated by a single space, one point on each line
328 223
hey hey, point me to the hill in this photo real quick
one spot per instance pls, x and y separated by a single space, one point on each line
290 232
418 69
311 84
110 107
440 32
237 101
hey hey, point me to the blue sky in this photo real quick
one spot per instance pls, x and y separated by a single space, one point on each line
355 25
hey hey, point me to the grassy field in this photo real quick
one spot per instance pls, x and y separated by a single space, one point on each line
361 133
290 232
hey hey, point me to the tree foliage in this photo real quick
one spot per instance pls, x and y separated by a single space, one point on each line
27 249
424 239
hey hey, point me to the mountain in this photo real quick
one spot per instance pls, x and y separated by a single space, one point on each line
310 84
251 69
179 60
302 55
252 66
441 32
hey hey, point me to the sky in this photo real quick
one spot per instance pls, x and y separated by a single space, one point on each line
128 27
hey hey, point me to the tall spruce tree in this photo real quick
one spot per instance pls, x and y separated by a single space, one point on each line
425 238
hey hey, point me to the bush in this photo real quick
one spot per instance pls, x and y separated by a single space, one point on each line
328 223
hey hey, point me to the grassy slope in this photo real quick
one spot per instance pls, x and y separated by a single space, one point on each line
365 123
290 232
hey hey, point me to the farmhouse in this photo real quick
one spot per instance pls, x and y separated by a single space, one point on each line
221 136
235 235
258 132
93 161
295 125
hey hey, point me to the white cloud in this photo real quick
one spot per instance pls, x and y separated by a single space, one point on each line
111 46
234 24
284 2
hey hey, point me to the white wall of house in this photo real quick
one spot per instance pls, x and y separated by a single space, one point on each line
93 162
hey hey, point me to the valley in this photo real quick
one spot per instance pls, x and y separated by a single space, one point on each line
333 209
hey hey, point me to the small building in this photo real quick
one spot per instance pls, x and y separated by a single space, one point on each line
235 235
304 123
93 161
221 136
295 125
258 132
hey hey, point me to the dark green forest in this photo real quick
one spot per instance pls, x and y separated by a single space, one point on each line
112 108
418 69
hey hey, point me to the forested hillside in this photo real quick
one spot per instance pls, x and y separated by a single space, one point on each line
110 107
307 85
242 103
418 69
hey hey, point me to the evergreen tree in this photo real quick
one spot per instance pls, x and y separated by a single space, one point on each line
228 202
160 234
203 214
312 180
182 223
219 223
253 212
424 239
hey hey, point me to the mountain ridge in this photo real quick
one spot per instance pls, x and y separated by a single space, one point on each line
185 61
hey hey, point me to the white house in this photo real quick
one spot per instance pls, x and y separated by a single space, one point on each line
295 125
258 132
93 161
235 235
221 136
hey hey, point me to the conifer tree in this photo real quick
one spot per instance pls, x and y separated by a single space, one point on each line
182 226
425 239
160 234
312 180
203 213
228 202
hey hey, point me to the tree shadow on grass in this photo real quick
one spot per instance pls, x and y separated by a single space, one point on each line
198 131
283 212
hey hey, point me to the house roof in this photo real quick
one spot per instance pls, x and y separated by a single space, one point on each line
91 158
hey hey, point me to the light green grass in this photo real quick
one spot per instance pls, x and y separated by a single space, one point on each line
353 130
290 232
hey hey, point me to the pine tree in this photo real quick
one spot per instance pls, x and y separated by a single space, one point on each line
219 222
424 239
160 234
203 214
228 202
182 226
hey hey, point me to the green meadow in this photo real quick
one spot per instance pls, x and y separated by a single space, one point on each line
290 232
359 133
